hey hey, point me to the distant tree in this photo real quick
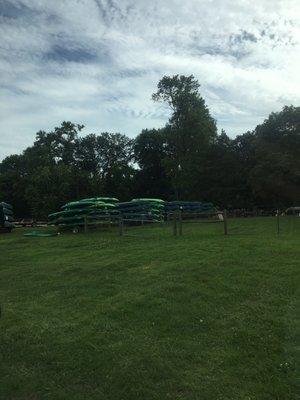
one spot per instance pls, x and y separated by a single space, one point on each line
219 173
51 186
108 157
186 159
87 157
61 166
13 181
60 144
244 149
190 131
275 176
150 150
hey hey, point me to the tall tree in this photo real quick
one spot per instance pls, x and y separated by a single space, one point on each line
190 131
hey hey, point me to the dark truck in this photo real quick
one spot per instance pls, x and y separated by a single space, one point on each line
6 217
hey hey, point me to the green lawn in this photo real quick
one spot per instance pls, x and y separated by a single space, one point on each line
203 316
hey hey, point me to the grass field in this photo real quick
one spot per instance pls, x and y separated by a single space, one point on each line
202 316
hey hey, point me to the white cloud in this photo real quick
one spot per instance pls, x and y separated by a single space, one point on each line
97 62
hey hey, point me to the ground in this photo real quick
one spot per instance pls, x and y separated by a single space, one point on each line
152 316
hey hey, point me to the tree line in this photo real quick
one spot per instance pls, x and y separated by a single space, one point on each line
186 159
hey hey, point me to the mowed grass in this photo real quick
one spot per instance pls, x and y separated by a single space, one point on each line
202 316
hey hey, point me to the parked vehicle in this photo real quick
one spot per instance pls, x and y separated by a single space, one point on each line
293 211
28 222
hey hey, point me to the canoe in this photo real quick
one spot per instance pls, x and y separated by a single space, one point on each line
150 200
81 204
104 199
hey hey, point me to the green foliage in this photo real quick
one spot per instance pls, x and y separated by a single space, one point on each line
189 132
108 158
53 186
186 159
151 152
62 166
13 180
276 174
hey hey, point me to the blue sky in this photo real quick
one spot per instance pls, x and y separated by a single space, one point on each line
97 62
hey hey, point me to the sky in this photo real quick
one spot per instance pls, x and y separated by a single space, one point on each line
97 62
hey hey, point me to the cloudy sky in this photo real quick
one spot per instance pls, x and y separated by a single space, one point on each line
97 62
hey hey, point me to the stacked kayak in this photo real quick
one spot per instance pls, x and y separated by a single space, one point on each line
74 213
6 217
189 207
142 210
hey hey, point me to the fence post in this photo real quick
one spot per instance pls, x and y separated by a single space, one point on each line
180 222
120 226
174 224
225 222
278 229
85 224
293 219
162 220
